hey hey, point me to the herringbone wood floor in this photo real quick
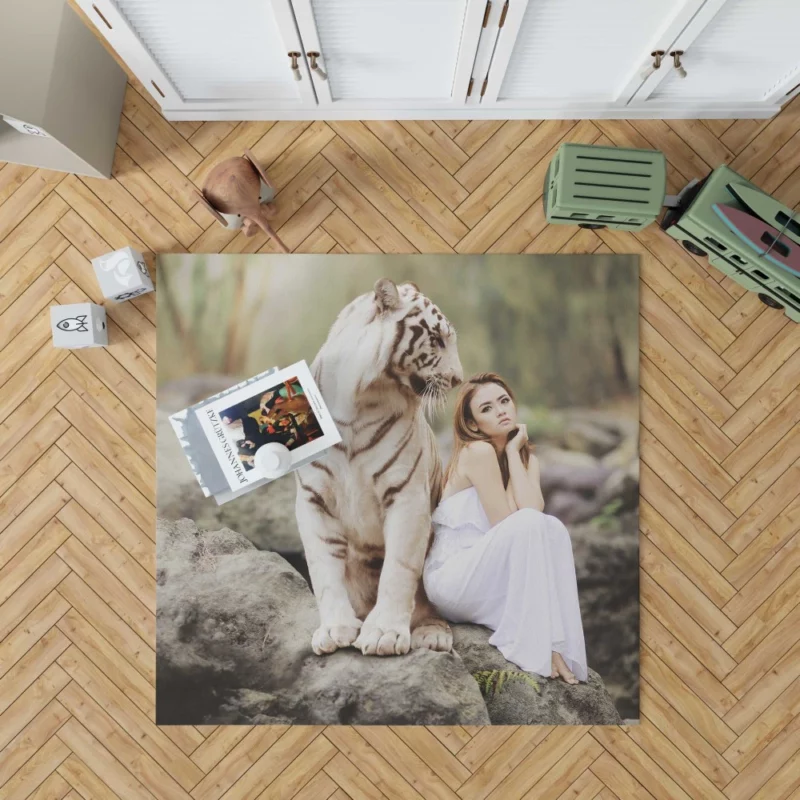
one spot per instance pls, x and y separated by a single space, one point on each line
720 445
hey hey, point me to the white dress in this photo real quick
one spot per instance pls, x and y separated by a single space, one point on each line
517 578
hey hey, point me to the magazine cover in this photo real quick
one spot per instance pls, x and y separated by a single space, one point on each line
283 407
467 554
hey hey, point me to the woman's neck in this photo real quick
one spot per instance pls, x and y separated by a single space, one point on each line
499 444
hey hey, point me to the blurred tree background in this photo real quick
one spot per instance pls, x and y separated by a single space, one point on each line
562 329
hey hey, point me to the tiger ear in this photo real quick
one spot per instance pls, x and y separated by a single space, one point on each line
386 295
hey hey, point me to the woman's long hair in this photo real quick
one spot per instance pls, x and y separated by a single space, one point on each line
462 435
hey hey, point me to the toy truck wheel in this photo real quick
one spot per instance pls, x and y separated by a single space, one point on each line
693 248
769 301
592 226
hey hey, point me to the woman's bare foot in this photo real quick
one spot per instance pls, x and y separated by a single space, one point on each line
559 667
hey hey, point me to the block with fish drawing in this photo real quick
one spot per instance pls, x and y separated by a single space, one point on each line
122 274
78 325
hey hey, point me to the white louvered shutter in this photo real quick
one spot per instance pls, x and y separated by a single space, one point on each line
388 50
212 50
749 48
582 50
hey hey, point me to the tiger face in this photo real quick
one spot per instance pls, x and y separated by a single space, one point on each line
423 356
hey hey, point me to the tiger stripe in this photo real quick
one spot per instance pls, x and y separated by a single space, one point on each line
392 491
401 447
317 499
387 425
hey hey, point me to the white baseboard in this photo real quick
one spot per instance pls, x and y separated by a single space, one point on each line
698 111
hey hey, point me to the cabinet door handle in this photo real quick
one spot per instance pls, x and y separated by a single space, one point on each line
676 60
313 56
651 68
294 55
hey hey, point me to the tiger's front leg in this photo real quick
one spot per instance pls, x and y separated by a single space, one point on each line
326 550
387 628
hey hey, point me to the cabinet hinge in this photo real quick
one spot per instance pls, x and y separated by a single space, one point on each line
483 88
487 12
503 15
469 88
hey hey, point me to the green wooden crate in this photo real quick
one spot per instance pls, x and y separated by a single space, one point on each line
605 187
696 225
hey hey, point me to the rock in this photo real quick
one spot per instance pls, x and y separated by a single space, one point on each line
585 437
555 456
586 480
265 516
234 647
623 425
626 452
179 394
573 472
569 507
622 485
606 557
519 703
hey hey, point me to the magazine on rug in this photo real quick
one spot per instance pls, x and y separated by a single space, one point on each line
282 406
458 540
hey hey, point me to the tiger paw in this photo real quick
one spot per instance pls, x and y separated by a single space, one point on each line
329 638
432 635
390 639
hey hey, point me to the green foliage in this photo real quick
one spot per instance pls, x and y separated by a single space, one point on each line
492 681
563 330
608 514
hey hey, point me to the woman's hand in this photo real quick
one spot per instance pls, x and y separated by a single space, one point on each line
518 440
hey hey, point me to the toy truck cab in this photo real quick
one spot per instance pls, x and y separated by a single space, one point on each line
702 232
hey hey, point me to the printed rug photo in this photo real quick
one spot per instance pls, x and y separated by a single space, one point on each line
461 545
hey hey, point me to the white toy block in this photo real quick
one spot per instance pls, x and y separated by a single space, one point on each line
122 274
78 325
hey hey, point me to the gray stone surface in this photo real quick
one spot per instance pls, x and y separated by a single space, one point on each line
234 630
234 647
519 703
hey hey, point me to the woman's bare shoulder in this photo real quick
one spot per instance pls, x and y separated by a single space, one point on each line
477 452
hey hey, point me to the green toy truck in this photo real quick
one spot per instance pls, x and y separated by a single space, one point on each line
605 187
694 223
613 187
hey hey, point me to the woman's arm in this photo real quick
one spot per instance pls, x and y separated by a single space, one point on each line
479 463
524 482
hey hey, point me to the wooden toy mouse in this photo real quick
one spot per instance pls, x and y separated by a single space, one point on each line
238 194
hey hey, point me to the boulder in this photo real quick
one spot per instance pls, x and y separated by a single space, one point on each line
621 485
519 703
606 553
234 629
586 437
234 647
569 507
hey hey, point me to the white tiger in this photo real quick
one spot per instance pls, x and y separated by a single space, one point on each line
364 509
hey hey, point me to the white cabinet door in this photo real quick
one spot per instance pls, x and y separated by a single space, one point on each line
390 54
208 55
564 54
734 51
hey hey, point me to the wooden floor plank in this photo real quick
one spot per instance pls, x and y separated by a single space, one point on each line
104 728
131 646
31 738
437 143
